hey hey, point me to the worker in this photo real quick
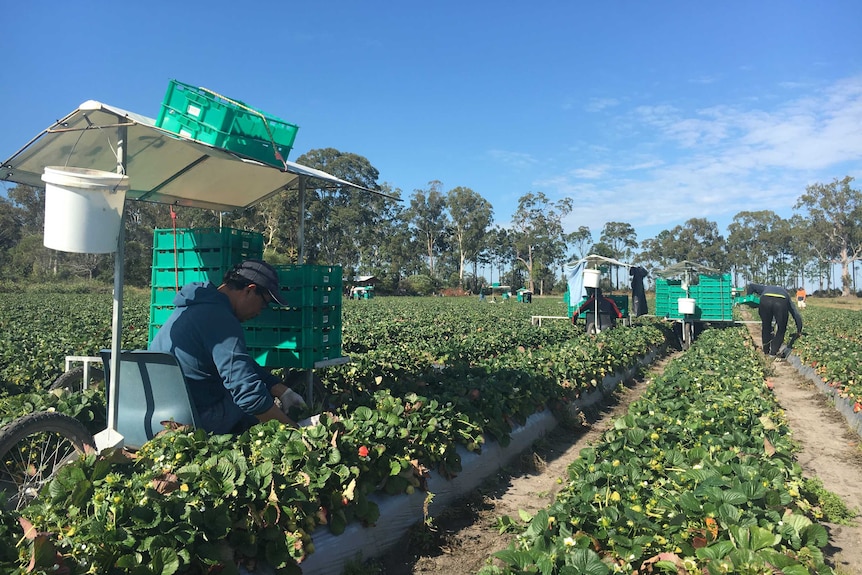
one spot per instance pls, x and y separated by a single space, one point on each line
606 306
800 298
230 391
775 304
639 303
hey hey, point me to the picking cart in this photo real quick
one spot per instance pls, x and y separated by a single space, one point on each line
590 272
691 295
127 156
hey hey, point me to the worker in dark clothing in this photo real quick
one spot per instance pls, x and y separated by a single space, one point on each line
639 305
775 304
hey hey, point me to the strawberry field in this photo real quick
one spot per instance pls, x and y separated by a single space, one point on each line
832 347
699 475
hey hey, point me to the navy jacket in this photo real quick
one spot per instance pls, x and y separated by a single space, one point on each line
226 384
778 291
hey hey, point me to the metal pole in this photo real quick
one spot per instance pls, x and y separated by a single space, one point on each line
301 234
309 374
117 319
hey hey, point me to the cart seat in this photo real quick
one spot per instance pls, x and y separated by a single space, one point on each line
606 321
152 391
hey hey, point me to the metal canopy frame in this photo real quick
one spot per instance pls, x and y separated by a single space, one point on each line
163 168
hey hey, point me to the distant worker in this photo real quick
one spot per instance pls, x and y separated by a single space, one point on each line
800 298
775 304
639 305
606 306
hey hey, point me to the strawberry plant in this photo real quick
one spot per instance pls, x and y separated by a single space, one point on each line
450 373
698 476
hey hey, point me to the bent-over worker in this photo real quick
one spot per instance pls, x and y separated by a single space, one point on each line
775 304
230 390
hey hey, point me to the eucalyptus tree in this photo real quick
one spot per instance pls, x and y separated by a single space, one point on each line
394 254
428 219
697 240
835 212
337 219
471 217
622 240
652 254
500 251
29 257
10 229
579 242
801 255
757 242
538 231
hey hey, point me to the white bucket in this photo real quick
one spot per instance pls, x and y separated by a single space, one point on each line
685 305
592 278
83 209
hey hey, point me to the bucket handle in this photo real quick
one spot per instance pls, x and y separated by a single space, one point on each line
257 113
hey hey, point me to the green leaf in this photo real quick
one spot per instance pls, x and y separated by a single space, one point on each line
586 562
734 497
717 550
635 436
165 561
689 502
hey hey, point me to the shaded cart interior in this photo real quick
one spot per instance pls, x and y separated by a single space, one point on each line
692 296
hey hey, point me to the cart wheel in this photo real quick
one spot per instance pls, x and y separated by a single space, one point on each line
687 335
73 380
32 448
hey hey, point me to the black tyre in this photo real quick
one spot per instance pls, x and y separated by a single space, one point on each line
73 380
686 335
32 447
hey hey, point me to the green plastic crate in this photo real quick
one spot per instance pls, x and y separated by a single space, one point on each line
207 238
295 275
184 100
311 316
171 277
712 294
202 115
287 337
622 302
295 358
311 296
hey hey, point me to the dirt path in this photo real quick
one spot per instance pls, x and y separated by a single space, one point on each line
466 536
830 451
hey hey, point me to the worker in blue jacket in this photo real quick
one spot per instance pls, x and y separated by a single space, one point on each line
775 304
231 392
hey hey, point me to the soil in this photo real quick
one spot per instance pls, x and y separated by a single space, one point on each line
463 539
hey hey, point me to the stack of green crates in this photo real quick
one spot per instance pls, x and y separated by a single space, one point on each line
186 255
202 115
308 329
713 295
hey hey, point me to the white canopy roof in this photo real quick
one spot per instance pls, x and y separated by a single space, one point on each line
594 261
162 167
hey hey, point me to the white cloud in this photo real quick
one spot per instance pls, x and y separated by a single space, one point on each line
518 160
599 104
717 161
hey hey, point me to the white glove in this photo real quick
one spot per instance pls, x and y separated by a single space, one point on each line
310 421
290 399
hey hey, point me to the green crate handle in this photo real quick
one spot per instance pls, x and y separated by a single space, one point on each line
256 112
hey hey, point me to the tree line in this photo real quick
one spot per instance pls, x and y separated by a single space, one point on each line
447 239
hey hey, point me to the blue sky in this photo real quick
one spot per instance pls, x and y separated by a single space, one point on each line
643 112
